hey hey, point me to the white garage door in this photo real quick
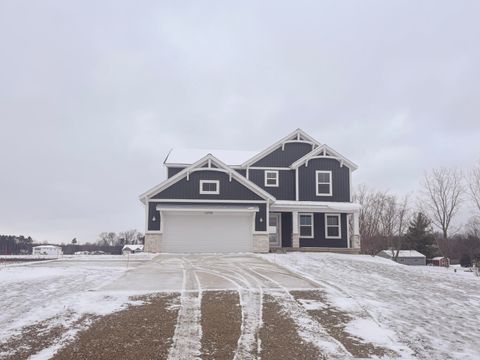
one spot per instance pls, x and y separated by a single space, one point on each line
207 231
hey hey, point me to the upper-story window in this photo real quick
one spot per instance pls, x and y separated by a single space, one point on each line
333 229
209 187
271 178
324 183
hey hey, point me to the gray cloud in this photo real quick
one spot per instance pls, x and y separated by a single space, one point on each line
92 95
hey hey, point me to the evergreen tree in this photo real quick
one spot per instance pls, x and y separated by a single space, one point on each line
420 236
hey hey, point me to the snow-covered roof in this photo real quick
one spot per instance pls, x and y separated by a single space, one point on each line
404 253
189 156
133 247
46 247
439 258
312 205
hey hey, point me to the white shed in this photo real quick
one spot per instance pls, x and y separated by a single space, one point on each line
406 257
48 250
132 249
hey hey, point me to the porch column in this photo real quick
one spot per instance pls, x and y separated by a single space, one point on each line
295 230
356 230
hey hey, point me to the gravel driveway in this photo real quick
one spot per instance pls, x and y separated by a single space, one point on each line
214 306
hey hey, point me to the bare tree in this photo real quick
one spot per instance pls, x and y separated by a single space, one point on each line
382 219
442 196
474 186
129 237
107 238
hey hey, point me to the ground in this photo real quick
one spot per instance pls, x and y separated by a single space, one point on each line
238 306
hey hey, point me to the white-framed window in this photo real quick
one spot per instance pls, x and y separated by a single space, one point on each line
271 178
209 187
323 181
305 222
333 228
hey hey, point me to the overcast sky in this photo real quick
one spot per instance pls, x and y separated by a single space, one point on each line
93 94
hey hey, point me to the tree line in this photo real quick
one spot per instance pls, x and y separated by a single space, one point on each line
15 245
426 223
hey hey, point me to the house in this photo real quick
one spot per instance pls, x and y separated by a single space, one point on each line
406 257
439 261
132 249
49 250
295 194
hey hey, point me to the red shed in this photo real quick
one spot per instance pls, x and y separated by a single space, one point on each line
440 261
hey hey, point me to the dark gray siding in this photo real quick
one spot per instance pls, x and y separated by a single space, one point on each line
286 183
286 157
229 190
152 212
260 216
242 172
287 229
319 233
173 170
307 181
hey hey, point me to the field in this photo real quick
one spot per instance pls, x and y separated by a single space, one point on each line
238 306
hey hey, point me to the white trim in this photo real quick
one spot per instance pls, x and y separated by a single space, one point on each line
339 217
251 209
235 175
323 149
295 134
315 206
185 165
330 187
300 226
162 222
207 201
266 178
268 168
296 184
211 192
349 240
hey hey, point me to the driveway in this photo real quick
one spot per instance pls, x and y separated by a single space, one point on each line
188 272
210 306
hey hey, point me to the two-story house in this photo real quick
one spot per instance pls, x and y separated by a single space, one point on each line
294 194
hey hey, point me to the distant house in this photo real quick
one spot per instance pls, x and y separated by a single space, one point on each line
48 250
439 261
132 249
406 257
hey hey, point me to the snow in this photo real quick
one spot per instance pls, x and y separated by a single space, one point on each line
61 291
189 156
403 253
419 312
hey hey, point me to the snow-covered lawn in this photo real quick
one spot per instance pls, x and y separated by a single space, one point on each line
59 291
435 312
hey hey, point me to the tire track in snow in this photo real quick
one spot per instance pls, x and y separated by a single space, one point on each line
251 300
308 328
188 331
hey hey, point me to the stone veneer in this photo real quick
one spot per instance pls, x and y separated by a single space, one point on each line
153 242
295 240
261 243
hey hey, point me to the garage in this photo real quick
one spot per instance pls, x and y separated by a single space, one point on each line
208 230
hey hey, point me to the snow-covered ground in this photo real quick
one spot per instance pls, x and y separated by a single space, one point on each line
434 311
59 291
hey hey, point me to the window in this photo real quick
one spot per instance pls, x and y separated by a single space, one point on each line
306 225
324 183
209 187
332 226
271 178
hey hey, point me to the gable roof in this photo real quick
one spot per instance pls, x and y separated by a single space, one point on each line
183 156
404 253
324 151
296 136
132 247
220 166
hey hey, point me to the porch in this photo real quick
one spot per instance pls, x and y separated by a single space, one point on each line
314 226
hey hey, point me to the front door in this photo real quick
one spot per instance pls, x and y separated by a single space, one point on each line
274 230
